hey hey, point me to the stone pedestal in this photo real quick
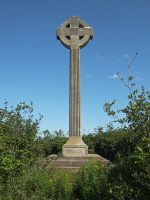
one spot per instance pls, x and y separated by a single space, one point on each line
70 163
75 147
73 164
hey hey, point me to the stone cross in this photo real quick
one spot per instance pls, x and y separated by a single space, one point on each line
74 34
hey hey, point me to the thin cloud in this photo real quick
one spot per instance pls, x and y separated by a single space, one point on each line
126 55
114 76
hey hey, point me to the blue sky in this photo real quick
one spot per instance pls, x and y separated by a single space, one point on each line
34 66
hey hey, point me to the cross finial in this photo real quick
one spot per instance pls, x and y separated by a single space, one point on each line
74 33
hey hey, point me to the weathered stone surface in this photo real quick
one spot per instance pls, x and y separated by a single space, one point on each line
73 164
74 34
75 147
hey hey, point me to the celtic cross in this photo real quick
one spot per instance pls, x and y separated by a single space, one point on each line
74 34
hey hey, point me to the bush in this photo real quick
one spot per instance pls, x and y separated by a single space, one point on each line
91 181
111 144
33 185
61 185
37 185
130 179
52 143
18 131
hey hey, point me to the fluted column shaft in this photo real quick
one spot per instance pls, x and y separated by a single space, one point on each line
74 98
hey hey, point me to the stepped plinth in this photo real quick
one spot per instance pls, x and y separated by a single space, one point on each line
73 164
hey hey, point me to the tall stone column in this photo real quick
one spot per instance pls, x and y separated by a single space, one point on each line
74 90
74 34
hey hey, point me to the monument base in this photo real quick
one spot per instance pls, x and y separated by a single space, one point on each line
73 164
75 147
74 156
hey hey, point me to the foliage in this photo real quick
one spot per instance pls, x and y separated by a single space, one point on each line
130 178
91 181
138 112
37 185
52 143
61 186
136 120
127 147
33 185
18 131
89 139
112 144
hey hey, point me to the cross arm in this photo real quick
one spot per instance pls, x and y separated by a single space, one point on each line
74 31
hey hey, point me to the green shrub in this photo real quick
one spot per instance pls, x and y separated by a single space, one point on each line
37 186
61 185
113 143
89 139
18 132
130 179
30 186
90 181
52 143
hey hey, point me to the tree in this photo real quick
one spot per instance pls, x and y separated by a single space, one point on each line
130 178
18 131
